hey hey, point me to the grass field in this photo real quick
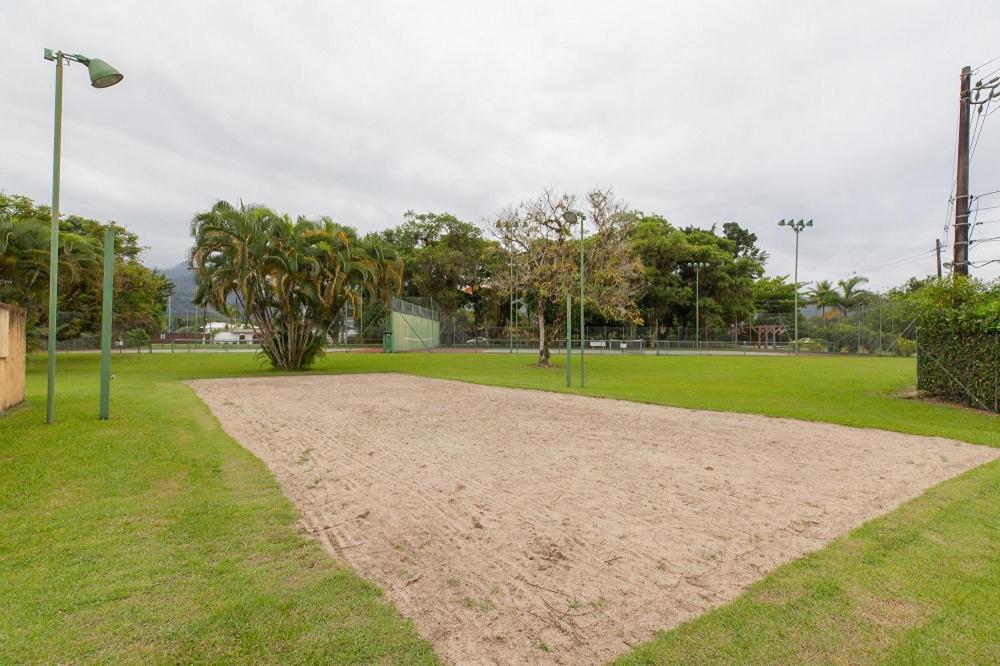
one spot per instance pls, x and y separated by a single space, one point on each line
156 537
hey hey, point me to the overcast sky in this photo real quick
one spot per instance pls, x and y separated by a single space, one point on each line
844 112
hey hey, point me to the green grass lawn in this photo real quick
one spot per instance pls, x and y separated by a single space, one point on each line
155 537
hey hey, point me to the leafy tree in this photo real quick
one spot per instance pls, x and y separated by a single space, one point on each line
290 279
745 243
851 293
725 292
446 258
542 241
824 295
774 295
140 292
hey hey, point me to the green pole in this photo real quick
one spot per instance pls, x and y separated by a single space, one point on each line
583 329
569 339
510 319
50 412
796 279
697 306
109 285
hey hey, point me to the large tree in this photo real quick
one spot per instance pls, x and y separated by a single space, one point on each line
446 259
139 291
824 295
851 293
289 278
724 288
540 236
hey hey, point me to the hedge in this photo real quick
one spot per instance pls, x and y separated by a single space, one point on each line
959 360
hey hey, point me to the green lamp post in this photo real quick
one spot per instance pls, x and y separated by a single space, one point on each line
797 227
102 75
571 218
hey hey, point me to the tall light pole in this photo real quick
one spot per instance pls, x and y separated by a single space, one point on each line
697 266
102 75
583 328
797 227
571 218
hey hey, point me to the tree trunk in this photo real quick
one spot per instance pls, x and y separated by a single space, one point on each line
543 345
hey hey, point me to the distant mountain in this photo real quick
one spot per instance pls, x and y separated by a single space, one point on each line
181 302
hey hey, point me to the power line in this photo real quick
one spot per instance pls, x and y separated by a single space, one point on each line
901 260
984 65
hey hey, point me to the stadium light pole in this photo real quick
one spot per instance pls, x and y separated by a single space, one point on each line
797 227
102 75
697 266
571 218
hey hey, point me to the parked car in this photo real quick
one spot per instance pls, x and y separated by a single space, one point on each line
478 341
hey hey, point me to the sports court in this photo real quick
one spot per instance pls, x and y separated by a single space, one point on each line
517 526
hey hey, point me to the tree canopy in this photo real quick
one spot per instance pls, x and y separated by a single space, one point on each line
139 291
290 278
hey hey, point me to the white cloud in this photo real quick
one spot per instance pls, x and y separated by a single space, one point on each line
705 112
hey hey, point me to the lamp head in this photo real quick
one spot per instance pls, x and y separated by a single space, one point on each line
570 217
809 223
103 75
781 224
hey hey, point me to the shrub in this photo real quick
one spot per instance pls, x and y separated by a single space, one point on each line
906 347
137 337
958 336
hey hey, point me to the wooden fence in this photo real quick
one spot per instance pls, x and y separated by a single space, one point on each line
12 347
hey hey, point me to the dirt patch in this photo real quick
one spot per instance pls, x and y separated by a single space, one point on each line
529 527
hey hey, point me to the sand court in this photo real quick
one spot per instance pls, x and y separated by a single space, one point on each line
518 526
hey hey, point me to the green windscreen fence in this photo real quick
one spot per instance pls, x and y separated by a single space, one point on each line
414 325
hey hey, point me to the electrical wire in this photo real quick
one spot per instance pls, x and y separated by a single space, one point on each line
980 123
902 260
976 69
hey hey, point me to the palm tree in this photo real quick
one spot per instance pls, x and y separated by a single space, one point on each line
291 279
850 295
24 264
824 295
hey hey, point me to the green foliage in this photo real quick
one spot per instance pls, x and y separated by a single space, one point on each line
726 289
543 246
290 279
139 292
774 295
906 347
959 341
851 293
137 337
443 256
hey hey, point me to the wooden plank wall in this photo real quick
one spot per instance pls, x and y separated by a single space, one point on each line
12 347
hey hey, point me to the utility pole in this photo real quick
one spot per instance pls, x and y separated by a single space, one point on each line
961 250
937 247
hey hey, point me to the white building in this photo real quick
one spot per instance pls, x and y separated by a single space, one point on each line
237 336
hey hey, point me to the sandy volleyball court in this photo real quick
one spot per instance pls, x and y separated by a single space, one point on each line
529 527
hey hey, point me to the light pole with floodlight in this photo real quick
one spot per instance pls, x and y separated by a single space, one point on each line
697 266
102 75
571 218
797 227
